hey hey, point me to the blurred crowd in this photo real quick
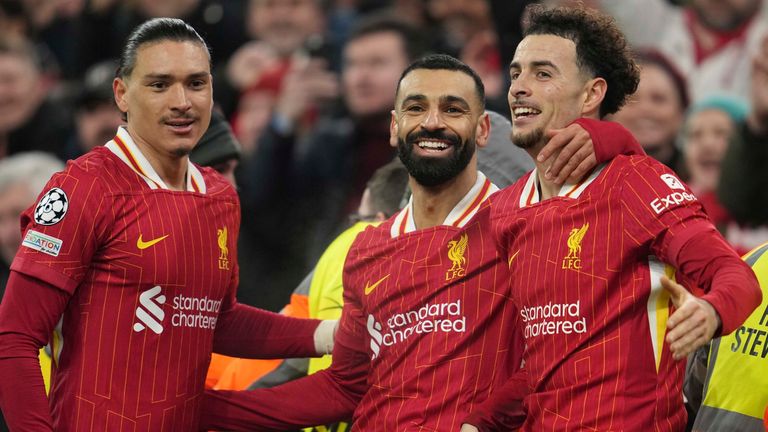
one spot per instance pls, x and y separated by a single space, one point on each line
307 87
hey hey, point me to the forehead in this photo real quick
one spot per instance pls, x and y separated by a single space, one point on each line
435 84
172 58
545 48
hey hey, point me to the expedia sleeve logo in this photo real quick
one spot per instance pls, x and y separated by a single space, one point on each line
659 205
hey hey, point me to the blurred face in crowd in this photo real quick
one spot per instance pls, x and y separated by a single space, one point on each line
285 24
97 124
372 65
167 8
725 14
707 134
21 91
13 201
168 98
437 122
654 114
461 18
547 90
253 113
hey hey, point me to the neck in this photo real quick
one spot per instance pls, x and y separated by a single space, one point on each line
432 204
548 188
171 168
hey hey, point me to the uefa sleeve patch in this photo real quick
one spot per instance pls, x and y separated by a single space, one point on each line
42 243
52 207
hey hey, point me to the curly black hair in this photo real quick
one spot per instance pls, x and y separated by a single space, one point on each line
601 49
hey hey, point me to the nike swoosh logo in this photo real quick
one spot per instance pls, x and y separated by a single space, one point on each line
369 288
512 258
143 245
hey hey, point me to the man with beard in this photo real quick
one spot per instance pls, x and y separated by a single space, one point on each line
428 330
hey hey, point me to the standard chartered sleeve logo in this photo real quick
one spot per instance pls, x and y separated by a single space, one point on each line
430 318
374 329
193 312
151 315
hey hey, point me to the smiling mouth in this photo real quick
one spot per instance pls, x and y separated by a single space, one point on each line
523 112
432 146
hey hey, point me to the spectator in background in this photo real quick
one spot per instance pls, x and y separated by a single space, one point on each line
709 41
655 112
742 183
287 52
96 115
103 25
468 33
22 177
298 189
29 119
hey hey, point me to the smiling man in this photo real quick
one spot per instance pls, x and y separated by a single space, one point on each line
129 265
587 259
428 330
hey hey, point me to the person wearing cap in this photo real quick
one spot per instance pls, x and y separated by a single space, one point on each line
218 148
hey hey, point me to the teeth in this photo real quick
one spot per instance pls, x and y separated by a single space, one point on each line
525 111
433 145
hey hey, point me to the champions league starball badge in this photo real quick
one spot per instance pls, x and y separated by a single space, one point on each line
52 207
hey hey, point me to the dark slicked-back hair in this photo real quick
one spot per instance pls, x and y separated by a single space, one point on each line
388 186
445 62
156 30
601 49
414 40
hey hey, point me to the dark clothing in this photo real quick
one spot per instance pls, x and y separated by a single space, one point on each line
742 180
46 131
296 195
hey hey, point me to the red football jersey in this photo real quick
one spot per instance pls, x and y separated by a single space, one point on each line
149 270
431 309
584 270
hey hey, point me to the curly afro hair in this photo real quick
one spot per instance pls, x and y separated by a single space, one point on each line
601 49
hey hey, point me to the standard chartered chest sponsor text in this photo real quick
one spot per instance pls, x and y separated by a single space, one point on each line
430 318
553 319
195 312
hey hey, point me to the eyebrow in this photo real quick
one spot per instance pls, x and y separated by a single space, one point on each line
443 99
535 64
195 75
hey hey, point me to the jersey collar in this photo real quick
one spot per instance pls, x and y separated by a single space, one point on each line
127 151
463 211
531 195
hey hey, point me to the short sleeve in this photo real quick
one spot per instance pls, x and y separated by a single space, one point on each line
60 232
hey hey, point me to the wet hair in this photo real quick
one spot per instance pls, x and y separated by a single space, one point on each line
152 31
601 49
445 62
414 41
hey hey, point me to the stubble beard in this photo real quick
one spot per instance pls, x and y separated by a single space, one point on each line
527 140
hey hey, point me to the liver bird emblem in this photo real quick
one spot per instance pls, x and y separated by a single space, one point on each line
222 237
456 250
574 241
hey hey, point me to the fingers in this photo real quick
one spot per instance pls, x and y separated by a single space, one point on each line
676 291
557 139
691 326
572 150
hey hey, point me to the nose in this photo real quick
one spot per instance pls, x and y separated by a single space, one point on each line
432 120
179 98
519 88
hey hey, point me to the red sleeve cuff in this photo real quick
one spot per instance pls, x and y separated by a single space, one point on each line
610 139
